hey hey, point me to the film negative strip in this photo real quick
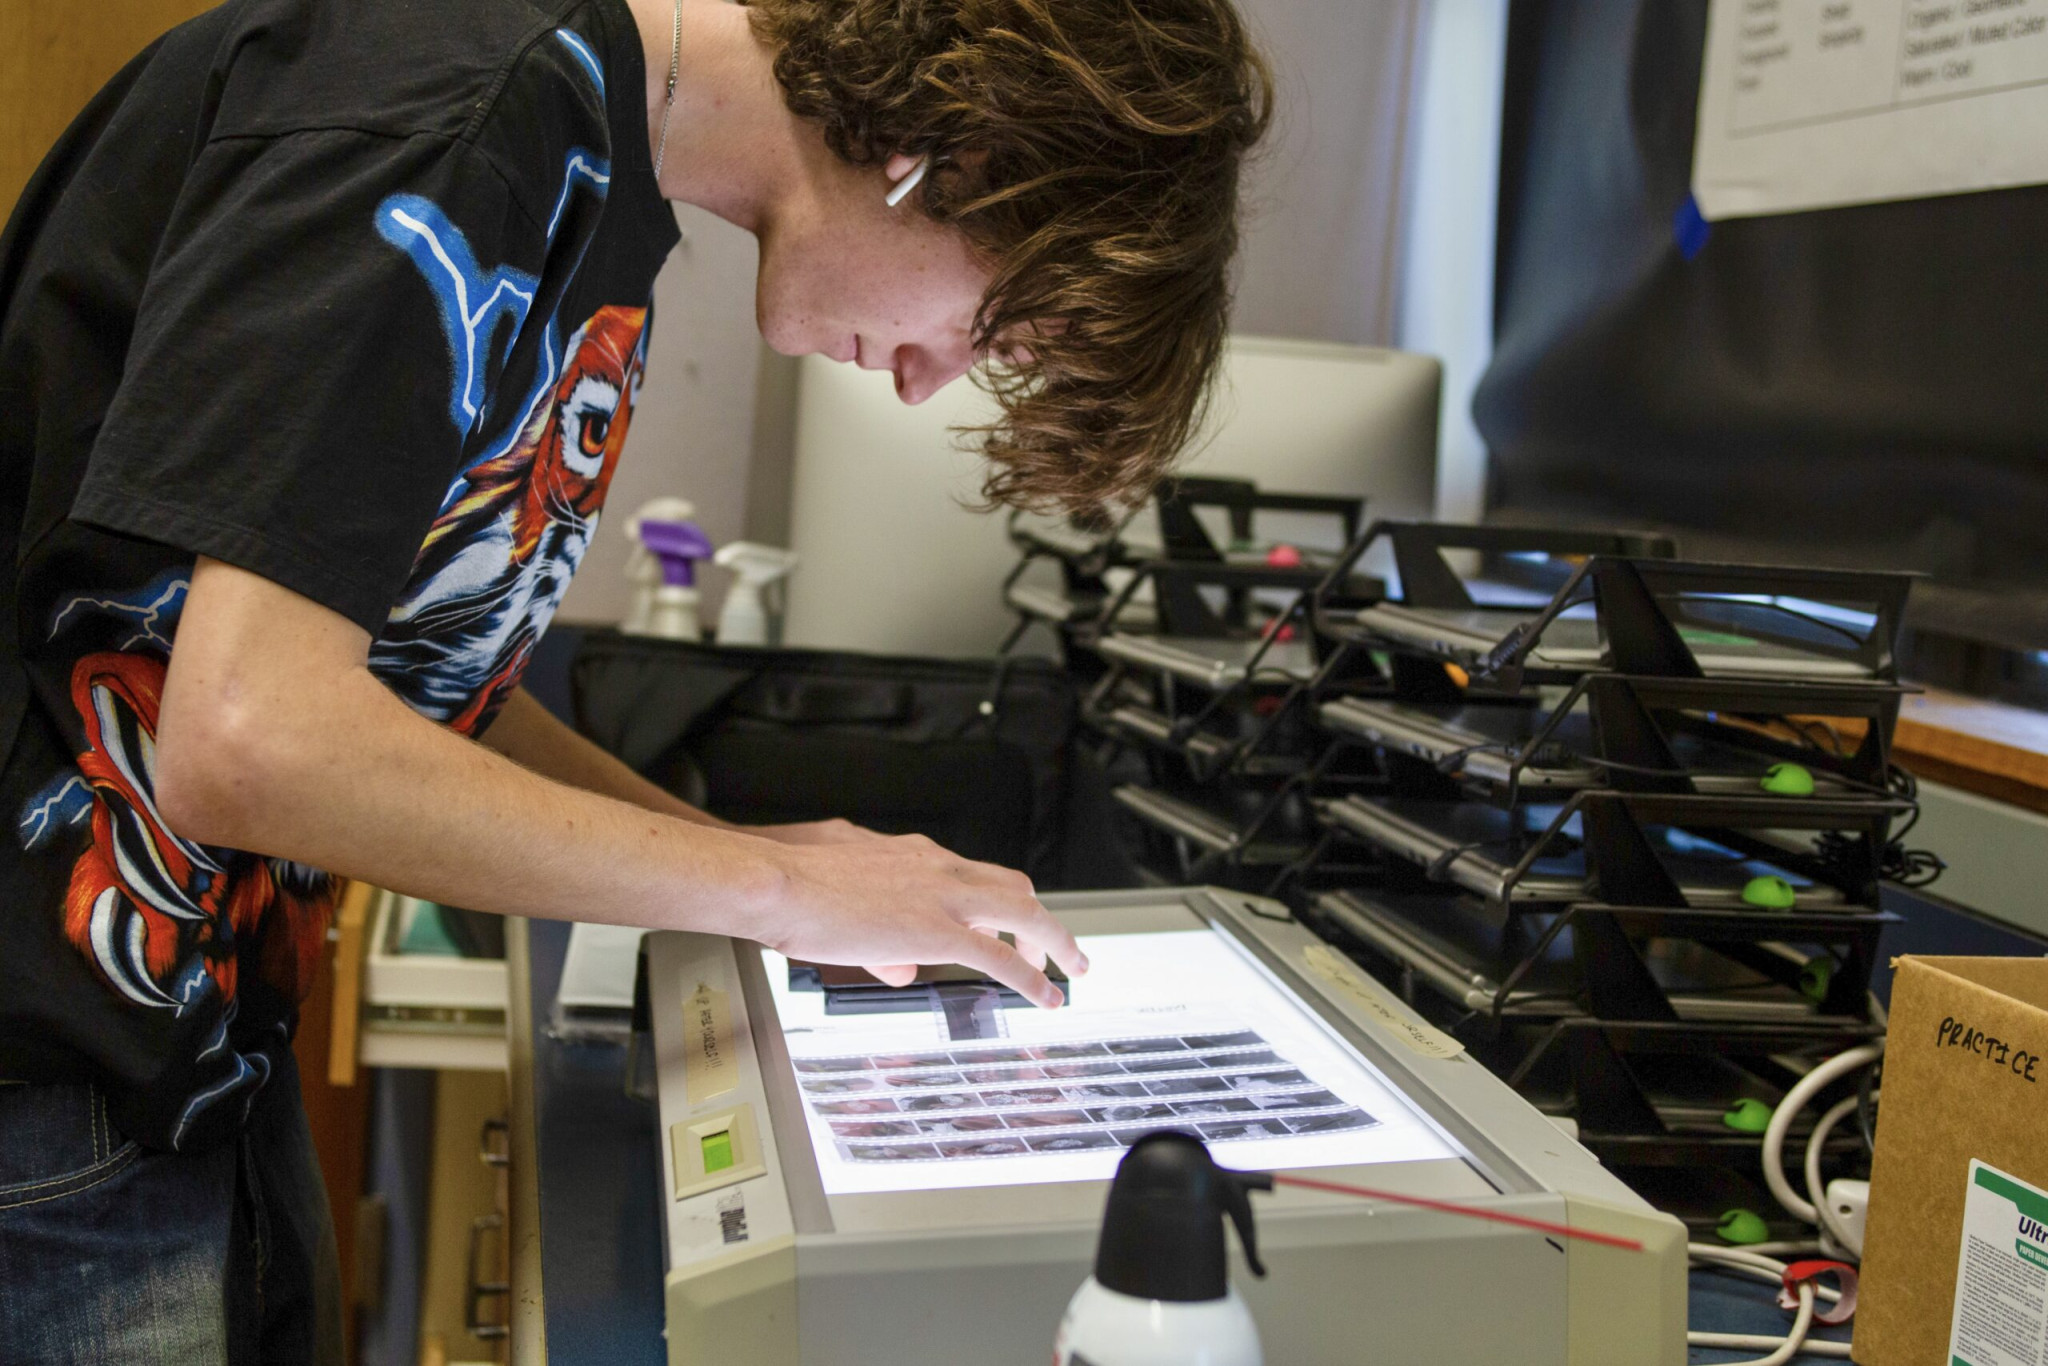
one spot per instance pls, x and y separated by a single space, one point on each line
1014 1100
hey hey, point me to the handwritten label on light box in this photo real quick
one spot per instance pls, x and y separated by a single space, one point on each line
709 1067
1360 990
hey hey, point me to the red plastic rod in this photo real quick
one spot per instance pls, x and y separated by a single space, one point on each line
1463 1211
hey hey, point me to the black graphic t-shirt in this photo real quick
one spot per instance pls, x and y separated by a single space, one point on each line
352 294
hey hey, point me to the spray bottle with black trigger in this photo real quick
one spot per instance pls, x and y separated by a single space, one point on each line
1161 1293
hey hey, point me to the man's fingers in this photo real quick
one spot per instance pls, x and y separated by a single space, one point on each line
1009 904
895 974
991 957
1043 937
1038 934
1056 942
1004 901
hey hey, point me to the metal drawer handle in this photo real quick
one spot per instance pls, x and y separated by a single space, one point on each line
478 1289
495 1143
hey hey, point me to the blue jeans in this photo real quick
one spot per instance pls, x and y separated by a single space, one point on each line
115 1253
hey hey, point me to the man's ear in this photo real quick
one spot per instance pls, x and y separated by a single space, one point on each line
898 166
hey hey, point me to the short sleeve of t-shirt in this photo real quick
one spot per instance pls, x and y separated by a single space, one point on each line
317 345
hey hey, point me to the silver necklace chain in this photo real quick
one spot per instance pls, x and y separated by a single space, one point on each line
668 108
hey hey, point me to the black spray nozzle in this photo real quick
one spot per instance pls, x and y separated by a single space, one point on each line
1237 1196
1162 1233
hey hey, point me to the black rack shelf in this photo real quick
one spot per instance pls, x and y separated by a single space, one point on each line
1618 824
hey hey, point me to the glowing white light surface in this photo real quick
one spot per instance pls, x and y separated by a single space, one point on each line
1186 992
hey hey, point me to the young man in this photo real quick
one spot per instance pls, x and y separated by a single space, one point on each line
321 333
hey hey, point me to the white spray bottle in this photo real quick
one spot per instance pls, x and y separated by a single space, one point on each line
746 619
1161 1294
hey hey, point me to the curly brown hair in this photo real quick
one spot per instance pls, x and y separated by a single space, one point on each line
1090 150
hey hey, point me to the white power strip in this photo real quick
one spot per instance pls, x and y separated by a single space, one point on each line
1849 1202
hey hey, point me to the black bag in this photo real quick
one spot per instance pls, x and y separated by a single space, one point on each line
978 755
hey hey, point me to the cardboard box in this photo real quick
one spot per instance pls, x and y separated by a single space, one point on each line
1962 1133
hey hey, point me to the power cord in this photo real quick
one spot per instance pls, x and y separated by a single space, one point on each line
1895 862
1866 1109
1560 755
1454 761
1804 1090
1750 1262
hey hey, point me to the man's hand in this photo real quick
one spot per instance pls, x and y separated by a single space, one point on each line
903 900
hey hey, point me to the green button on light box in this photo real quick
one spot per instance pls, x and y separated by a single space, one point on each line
715 1151
718 1153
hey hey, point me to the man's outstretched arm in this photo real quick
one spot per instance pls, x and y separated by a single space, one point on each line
275 737
530 735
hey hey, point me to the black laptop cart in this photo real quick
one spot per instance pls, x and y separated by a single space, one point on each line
1632 830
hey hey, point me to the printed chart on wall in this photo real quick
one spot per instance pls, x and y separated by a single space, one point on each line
1166 1031
1808 104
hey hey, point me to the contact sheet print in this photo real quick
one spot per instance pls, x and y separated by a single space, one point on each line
984 1101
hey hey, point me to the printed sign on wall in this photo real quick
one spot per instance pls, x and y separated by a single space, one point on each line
1808 104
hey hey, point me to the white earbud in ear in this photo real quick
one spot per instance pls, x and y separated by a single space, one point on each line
901 190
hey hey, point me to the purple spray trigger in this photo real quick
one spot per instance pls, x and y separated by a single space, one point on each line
679 546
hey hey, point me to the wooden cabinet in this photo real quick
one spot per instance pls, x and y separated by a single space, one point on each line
54 55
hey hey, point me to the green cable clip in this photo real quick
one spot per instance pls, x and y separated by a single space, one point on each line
1770 892
1748 1115
1742 1227
1788 780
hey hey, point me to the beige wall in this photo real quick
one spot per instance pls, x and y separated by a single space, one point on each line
1320 249
1446 276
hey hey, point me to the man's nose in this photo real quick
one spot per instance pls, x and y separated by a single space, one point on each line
921 373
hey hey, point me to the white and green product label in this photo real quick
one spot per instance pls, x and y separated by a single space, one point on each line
2001 1313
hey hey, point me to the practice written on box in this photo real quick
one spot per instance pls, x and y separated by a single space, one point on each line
1955 1264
